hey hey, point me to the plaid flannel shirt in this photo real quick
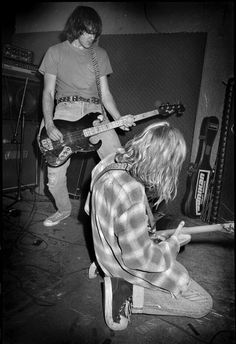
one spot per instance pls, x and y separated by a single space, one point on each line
117 205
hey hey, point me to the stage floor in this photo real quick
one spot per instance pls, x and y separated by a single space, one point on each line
49 299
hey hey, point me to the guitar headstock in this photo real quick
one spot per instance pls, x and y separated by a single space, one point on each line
168 109
227 227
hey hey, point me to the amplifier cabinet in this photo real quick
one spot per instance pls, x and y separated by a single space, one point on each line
79 174
18 91
11 156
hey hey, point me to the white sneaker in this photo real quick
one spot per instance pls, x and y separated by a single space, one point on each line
56 218
93 271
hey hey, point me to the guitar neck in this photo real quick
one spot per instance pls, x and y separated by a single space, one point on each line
193 230
115 124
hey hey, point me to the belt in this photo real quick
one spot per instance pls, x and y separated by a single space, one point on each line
78 99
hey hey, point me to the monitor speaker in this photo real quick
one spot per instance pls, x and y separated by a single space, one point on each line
79 173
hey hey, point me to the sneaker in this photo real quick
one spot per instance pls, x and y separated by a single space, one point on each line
56 218
93 271
118 302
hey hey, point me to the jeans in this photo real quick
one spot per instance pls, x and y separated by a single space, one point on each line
57 180
195 302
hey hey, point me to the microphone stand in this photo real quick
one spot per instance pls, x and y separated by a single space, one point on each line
21 123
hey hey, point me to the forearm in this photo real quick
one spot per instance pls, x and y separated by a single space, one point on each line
110 105
48 108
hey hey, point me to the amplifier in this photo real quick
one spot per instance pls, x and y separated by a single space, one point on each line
13 68
13 91
17 53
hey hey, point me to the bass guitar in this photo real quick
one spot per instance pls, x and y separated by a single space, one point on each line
76 134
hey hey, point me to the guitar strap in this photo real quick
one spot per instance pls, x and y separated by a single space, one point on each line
126 167
97 77
112 166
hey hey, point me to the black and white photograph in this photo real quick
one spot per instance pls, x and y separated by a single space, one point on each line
118 173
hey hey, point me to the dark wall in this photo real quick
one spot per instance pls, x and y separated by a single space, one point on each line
8 27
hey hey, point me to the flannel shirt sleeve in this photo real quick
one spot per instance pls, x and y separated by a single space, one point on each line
139 252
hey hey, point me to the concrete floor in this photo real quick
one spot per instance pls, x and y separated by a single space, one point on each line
49 299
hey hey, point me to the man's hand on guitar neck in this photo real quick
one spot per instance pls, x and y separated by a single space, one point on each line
128 122
53 133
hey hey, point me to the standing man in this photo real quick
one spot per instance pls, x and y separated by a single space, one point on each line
70 92
141 275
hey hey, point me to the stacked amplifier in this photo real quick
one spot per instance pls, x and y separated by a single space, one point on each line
21 93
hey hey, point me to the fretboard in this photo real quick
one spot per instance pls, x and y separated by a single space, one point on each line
115 124
225 227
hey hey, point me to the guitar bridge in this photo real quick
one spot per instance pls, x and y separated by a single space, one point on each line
64 154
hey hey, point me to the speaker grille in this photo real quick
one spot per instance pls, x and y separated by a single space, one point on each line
11 157
12 98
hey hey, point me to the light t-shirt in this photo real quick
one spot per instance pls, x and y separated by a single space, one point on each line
74 69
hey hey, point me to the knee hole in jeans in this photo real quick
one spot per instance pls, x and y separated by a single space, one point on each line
52 179
56 180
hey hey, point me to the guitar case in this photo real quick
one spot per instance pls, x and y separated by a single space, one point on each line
200 172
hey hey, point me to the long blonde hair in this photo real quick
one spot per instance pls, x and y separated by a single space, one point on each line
155 157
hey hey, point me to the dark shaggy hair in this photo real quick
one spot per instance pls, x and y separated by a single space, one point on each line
82 19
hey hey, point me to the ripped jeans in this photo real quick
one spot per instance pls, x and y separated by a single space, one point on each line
57 185
57 179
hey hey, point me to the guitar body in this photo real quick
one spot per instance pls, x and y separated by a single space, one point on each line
200 173
57 153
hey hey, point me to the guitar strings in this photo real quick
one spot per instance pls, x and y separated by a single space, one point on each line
108 126
77 134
